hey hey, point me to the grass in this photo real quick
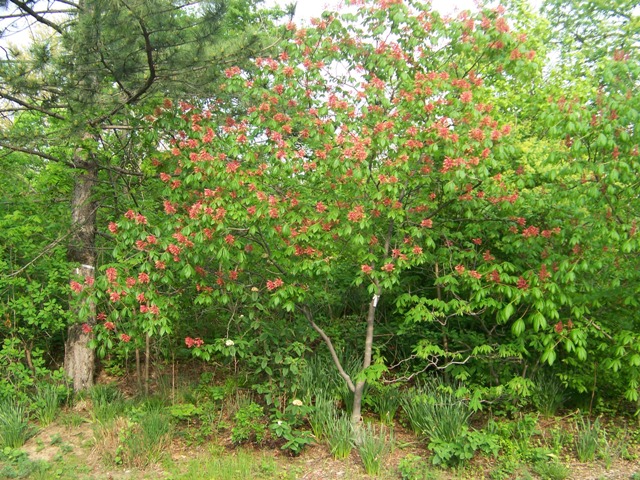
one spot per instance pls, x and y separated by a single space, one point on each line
551 469
47 400
386 401
339 436
240 464
14 424
108 403
587 439
322 414
434 411
374 445
549 395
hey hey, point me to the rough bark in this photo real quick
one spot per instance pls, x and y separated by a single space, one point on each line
79 359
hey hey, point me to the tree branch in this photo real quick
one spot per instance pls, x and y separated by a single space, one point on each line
36 16
29 151
332 350
30 106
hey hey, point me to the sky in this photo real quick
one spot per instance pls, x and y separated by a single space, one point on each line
307 9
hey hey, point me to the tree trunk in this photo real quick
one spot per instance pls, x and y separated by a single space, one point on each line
79 359
356 413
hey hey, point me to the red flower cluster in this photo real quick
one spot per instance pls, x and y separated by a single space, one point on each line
112 274
193 342
274 284
75 286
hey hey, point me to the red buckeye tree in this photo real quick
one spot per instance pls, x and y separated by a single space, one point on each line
370 149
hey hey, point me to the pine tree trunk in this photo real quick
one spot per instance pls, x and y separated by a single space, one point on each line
79 359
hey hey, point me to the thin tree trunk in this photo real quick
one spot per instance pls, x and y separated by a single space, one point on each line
79 359
147 354
358 394
138 370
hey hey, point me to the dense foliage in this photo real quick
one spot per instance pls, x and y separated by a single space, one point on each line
384 181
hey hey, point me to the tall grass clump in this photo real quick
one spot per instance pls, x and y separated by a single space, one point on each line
339 436
46 400
385 402
434 412
108 402
587 439
147 441
14 424
549 395
374 446
322 414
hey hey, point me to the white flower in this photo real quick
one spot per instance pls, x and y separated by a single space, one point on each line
297 403
229 343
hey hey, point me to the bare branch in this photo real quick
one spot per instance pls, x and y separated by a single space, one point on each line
30 106
36 16
332 350
29 151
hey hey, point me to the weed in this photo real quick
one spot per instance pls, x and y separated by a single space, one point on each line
551 469
587 439
614 447
14 424
373 446
56 439
17 464
413 467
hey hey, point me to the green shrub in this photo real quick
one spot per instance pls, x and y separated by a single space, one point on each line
285 425
249 424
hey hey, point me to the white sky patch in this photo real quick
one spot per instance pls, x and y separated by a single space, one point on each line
307 9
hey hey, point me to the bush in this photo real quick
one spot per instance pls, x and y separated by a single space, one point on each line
249 424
